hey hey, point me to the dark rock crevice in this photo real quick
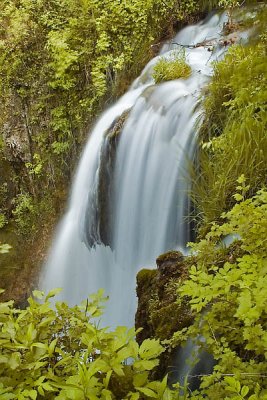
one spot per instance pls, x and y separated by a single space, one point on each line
99 231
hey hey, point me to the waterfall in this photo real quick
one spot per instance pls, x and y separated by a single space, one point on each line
130 195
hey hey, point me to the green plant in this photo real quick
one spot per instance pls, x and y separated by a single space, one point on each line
3 220
59 353
24 213
229 301
35 168
233 139
172 68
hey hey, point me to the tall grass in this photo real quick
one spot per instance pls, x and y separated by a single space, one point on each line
233 139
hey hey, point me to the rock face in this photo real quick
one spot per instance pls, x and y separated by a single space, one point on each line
100 231
159 313
17 142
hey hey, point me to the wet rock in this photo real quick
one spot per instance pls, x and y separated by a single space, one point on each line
100 203
159 313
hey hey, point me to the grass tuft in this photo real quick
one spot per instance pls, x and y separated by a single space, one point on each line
233 138
169 69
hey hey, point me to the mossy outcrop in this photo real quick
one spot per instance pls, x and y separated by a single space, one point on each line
159 314
160 311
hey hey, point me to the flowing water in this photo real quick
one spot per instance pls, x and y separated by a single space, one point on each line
130 195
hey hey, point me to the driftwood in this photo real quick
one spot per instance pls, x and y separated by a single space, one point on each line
210 43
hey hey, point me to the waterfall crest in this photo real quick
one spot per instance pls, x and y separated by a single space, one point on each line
142 187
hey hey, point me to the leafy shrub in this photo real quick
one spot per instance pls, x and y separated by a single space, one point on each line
229 301
60 353
57 353
173 68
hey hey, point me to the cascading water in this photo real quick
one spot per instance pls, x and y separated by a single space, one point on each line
129 199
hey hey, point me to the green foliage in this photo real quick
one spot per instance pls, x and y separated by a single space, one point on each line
24 212
233 134
59 353
3 220
172 68
35 168
229 301
228 4
61 62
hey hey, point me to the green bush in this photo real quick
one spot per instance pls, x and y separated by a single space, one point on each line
59 353
173 68
229 301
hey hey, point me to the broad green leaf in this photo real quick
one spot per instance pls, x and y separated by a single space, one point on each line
244 391
145 365
15 360
38 294
53 293
148 392
140 379
150 348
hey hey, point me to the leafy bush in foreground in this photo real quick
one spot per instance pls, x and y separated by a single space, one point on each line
56 353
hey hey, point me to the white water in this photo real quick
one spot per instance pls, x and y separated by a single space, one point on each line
150 187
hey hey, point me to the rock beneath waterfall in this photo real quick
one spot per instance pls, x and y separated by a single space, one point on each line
160 315
158 312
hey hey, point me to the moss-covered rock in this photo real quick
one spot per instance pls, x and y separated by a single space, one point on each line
159 313
146 290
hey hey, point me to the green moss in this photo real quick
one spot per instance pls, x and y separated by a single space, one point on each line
158 312
146 290
170 319
146 276
170 256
